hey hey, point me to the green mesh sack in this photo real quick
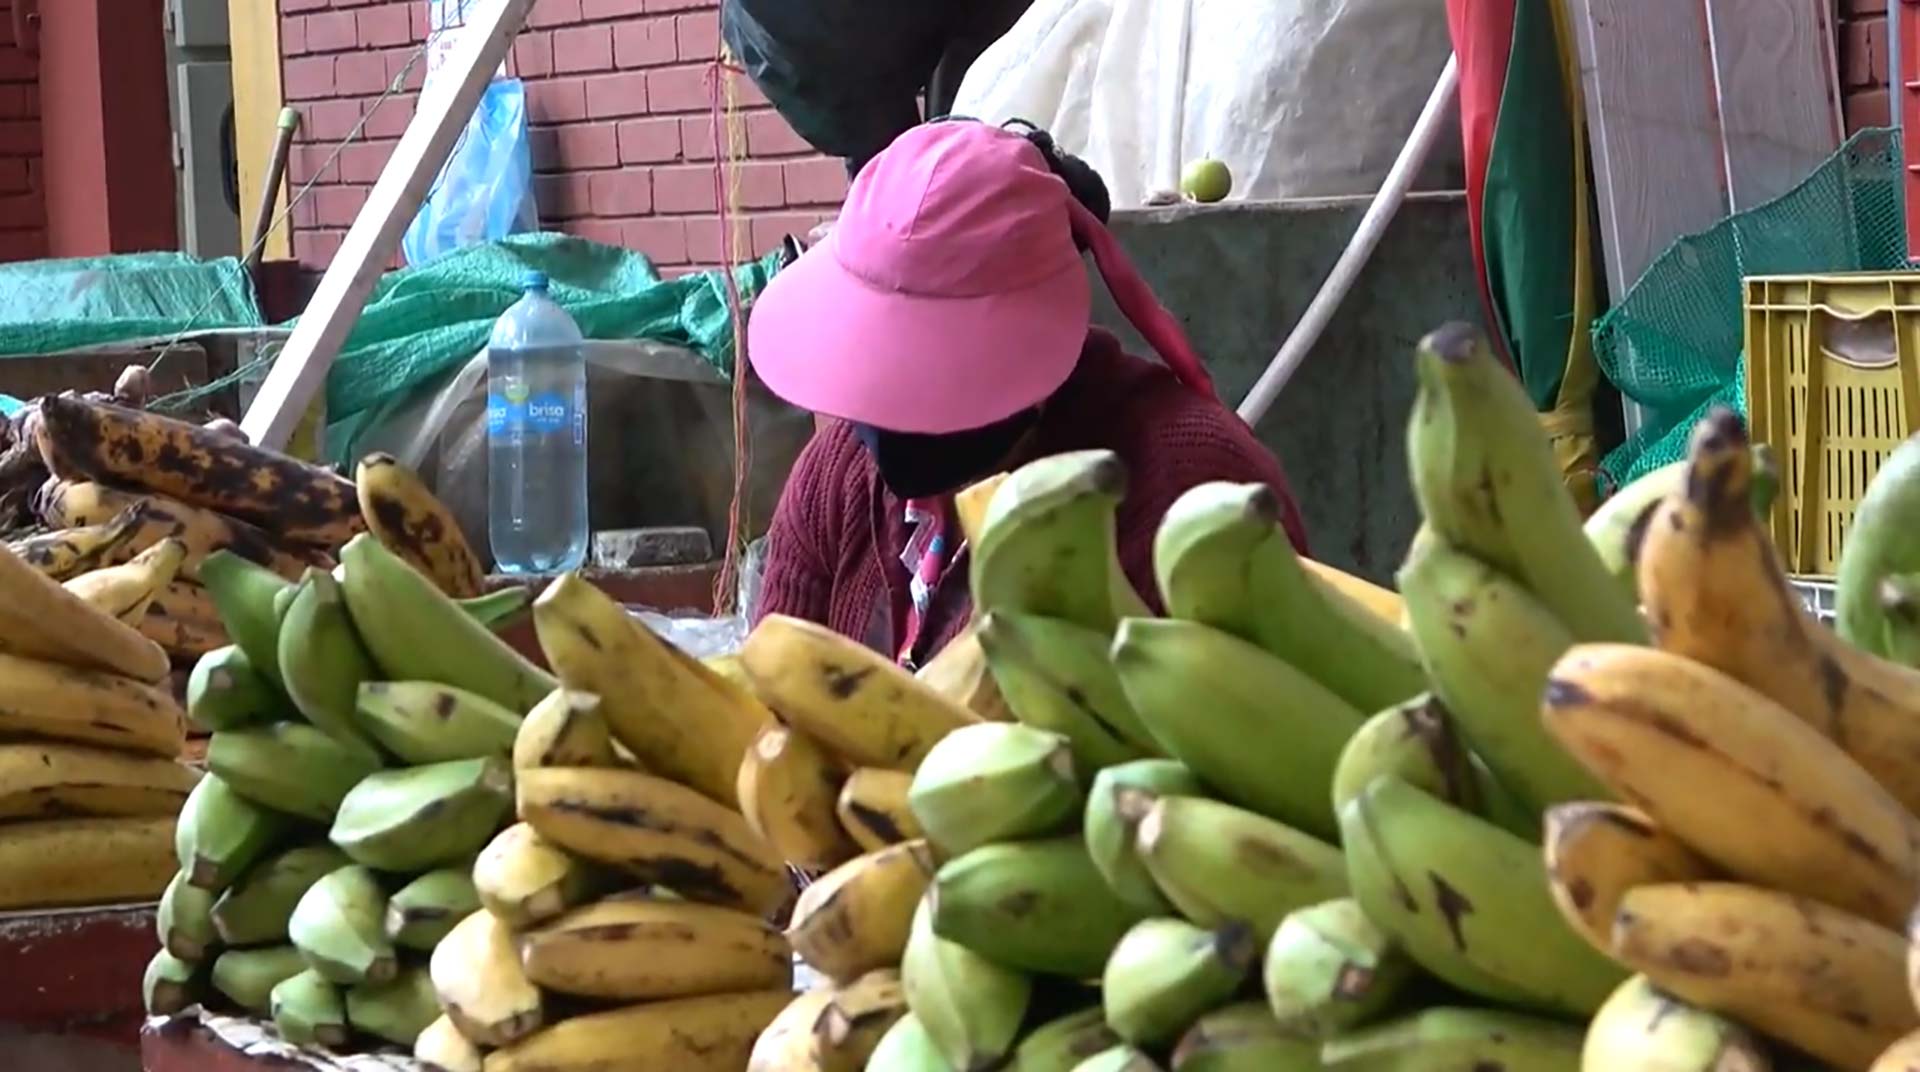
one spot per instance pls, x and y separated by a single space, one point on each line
1673 343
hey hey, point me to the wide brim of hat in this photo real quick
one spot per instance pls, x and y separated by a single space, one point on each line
829 342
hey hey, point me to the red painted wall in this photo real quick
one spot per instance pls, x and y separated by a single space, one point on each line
23 212
622 124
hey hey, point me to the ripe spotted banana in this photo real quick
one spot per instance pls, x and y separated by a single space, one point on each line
1711 761
1597 852
831 1029
1712 585
41 780
440 1047
526 880
661 832
848 698
126 591
647 950
65 703
1827 982
564 730
856 918
482 985
56 862
68 552
873 808
788 789
959 672
1643 1027
41 620
714 1033
402 514
156 517
94 441
680 719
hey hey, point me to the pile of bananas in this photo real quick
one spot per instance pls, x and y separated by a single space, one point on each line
361 725
1766 867
125 481
90 740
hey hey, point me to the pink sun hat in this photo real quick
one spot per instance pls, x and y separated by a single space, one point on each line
950 293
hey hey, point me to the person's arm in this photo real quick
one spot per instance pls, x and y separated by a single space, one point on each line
797 580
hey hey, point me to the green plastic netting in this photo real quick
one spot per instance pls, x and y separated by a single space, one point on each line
420 324
426 321
1674 343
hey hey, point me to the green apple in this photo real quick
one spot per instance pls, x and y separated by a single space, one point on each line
1206 181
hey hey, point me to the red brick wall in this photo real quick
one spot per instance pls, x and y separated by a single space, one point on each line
622 127
1863 62
23 211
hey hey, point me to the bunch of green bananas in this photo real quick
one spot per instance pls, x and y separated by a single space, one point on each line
362 723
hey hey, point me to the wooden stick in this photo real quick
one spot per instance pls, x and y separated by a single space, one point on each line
441 116
270 188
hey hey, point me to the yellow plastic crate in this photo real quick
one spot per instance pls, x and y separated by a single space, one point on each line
1833 385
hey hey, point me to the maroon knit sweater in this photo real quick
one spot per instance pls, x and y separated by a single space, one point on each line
834 549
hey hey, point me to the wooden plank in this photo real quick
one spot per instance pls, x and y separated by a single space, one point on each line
440 117
254 30
1775 71
1646 66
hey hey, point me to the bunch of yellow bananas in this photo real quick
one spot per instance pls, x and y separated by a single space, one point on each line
1766 866
90 739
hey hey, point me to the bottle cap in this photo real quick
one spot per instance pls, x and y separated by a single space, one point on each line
534 281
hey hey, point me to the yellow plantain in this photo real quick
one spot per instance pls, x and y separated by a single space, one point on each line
680 718
1385 603
663 833
831 1029
647 950
402 514
1822 980
1902 1056
1597 852
959 672
57 862
126 591
481 984
1714 590
789 787
75 503
41 620
48 781
1713 763
68 552
856 918
44 699
873 808
846 696
564 730
970 505
704 1034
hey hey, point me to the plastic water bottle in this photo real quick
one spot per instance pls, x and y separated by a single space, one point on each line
537 437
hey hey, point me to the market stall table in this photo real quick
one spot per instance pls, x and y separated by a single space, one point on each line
70 999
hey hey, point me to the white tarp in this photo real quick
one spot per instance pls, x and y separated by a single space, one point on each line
1301 98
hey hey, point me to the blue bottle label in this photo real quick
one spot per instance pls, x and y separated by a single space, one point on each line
547 413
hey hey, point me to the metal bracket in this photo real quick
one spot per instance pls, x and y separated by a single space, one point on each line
26 26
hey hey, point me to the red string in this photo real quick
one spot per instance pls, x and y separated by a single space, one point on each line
726 586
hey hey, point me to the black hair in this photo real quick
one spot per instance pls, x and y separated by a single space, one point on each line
1084 183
